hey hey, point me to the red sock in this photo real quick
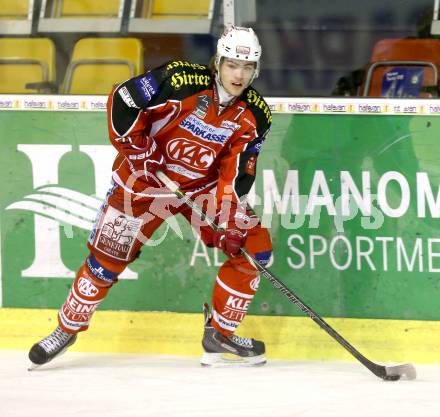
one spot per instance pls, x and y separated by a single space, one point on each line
84 297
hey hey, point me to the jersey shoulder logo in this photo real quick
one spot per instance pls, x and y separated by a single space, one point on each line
184 73
147 86
185 64
258 105
184 78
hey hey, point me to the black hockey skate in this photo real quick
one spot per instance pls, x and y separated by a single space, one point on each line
220 350
53 345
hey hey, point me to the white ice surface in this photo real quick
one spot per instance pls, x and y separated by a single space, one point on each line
104 385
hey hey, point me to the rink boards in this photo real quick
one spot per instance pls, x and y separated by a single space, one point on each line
293 338
348 188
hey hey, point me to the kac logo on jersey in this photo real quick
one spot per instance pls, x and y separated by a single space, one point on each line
190 153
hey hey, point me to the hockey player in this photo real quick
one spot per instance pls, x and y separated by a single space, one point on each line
203 126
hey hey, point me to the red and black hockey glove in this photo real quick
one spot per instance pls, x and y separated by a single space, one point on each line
233 230
229 241
147 158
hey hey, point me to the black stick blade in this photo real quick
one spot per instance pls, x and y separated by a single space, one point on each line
394 373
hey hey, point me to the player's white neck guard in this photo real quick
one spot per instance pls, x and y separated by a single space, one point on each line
224 98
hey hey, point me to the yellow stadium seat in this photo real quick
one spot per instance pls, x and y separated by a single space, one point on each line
81 16
172 16
97 64
177 9
16 9
16 17
26 60
87 8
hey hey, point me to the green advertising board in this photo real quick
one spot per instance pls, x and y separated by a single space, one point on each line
352 203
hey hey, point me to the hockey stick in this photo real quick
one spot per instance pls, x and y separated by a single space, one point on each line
388 373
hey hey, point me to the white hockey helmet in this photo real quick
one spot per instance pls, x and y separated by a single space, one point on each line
239 43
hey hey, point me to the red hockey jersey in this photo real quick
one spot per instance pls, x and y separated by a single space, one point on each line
203 146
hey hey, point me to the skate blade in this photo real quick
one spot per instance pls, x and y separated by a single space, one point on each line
218 360
33 366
